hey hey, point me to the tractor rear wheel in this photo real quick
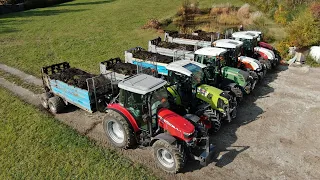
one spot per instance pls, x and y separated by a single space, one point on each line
119 132
168 157
44 99
56 104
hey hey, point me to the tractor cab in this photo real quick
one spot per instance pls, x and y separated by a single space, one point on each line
223 76
249 41
188 88
142 95
234 48
251 49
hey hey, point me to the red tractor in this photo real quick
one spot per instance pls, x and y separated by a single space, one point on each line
140 116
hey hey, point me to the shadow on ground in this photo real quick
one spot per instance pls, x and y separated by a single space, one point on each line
248 112
86 3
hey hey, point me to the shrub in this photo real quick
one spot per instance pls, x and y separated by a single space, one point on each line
281 15
304 31
244 12
315 10
228 19
283 48
152 24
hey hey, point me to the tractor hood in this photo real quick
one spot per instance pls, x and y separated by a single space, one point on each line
175 124
265 45
210 95
237 75
253 62
265 51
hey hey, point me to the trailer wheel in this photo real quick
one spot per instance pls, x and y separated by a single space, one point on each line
55 104
44 99
168 157
118 130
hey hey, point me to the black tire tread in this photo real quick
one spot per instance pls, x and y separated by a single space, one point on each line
57 102
130 141
178 156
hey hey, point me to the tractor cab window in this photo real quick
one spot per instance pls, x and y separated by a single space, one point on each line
254 42
197 74
159 98
135 104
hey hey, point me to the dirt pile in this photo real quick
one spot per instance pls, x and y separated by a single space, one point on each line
169 45
146 55
73 76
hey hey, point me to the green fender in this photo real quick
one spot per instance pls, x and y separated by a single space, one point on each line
211 95
237 75
172 90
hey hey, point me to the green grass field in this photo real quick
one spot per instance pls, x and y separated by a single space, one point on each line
36 146
82 32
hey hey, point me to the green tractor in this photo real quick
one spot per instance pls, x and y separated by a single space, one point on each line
189 92
222 76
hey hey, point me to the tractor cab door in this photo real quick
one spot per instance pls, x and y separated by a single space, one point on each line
136 105
183 87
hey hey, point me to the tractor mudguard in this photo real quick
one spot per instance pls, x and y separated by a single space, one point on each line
163 136
234 88
125 113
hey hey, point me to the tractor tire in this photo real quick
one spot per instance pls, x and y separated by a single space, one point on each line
56 104
215 124
168 157
44 99
118 131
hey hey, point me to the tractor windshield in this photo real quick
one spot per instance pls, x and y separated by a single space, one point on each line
159 98
197 74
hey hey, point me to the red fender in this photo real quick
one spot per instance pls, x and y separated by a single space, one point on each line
263 55
265 45
126 114
246 65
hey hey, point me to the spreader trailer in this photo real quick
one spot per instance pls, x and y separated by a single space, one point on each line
175 50
96 94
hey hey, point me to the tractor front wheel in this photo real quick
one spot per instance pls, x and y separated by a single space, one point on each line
118 130
168 157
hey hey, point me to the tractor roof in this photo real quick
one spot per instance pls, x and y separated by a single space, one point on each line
210 51
141 83
184 66
227 43
243 34
255 32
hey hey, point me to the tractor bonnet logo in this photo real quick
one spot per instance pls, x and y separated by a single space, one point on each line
202 91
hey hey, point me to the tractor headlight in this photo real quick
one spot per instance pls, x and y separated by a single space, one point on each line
189 135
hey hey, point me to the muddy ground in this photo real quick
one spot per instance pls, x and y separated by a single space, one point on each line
275 136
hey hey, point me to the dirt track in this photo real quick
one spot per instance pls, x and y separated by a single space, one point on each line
275 136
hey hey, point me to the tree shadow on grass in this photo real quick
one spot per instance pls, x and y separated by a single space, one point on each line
86 3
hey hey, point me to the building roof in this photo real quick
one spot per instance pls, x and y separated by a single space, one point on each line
243 34
210 51
182 66
141 83
227 43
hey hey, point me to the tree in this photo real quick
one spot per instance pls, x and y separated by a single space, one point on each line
304 31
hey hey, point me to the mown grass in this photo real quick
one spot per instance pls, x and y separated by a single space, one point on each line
83 32
34 145
18 81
